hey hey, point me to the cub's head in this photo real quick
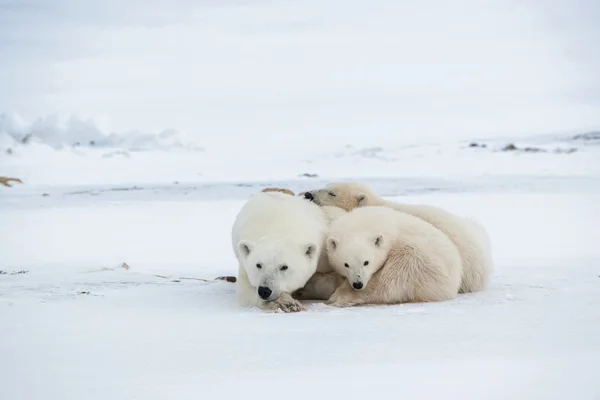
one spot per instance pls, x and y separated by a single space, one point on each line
358 255
346 195
274 266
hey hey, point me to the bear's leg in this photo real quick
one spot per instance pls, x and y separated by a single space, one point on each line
285 302
345 296
319 287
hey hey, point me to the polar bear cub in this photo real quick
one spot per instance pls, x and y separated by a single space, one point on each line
470 238
390 257
278 240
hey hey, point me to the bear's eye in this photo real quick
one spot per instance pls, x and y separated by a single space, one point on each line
283 267
346 265
258 266
332 194
366 263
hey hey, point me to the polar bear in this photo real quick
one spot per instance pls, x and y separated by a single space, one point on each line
470 238
278 241
390 257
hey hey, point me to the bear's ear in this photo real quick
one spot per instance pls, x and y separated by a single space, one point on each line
310 250
244 248
332 243
361 198
378 240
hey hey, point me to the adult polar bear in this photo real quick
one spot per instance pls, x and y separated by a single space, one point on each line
278 240
470 238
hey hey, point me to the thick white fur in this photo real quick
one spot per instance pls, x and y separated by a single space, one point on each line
470 237
325 281
394 256
331 214
274 230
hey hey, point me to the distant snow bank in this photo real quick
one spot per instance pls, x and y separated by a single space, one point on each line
78 132
74 151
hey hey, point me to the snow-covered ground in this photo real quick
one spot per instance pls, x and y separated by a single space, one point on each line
565 155
75 324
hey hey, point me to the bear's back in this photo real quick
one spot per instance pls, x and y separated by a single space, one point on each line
373 219
279 215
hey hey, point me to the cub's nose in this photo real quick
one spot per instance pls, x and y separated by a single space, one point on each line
357 285
309 196
264 292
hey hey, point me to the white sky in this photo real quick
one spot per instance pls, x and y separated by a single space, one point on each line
380 71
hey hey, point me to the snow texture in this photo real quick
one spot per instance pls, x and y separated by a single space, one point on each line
545 156
75 324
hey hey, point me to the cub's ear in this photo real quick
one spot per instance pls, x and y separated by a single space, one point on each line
332 243
310 250
378 240
361 199
244 248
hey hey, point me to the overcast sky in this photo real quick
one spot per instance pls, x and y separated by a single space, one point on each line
246 69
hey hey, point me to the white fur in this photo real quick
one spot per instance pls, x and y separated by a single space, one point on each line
391 257
331 214
470 237
274 230
325 281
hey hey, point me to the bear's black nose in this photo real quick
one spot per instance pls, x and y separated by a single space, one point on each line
357 285
309 196
264 292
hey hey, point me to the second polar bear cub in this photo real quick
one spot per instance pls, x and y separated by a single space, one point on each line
470 237
391 257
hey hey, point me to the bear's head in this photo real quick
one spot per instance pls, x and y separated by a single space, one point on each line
274 266
346 195
357 255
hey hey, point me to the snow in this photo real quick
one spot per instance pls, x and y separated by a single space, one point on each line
560 155
55 133
78 325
